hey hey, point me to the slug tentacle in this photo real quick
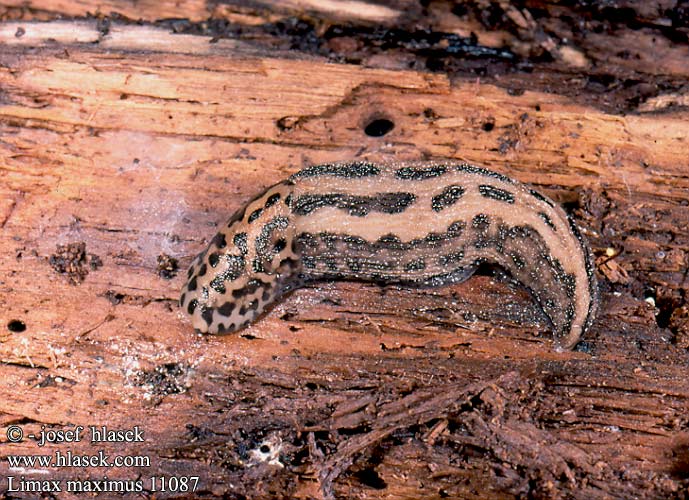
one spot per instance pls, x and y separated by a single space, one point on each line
412 223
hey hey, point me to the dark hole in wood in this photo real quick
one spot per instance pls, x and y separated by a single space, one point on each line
16 326
488 126
665 309
370 478
379 127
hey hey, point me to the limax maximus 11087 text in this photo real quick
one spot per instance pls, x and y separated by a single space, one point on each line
423 224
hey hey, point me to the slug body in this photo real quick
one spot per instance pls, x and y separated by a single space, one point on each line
412 223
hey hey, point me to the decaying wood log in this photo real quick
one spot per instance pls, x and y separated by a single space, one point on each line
125 140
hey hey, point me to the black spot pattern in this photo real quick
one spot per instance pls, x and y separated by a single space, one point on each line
495 193
217 284
264 254
480 221
254 215
517 259
451 258
353 264
257 266
239 241
360 206
415 265
471 169
419 174
546 218
540 197
272 200
250 287
434 258
346 170
449 196
192 306
279 245
207 314
226 309
213 259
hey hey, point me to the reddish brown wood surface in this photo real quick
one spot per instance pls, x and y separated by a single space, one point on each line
123 146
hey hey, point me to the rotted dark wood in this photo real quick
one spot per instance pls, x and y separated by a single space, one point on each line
123 145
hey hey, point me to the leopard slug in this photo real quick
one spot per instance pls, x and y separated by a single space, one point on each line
425 224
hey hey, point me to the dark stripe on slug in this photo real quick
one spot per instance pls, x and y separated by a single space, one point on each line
329 240
471 169
419 174
360 206
308 245
495 193
347 170
448 197
254 215
434 238
569 317
546 218
354 241
236 217
390 242
306 240
272 200
456 228
590 272
540 197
